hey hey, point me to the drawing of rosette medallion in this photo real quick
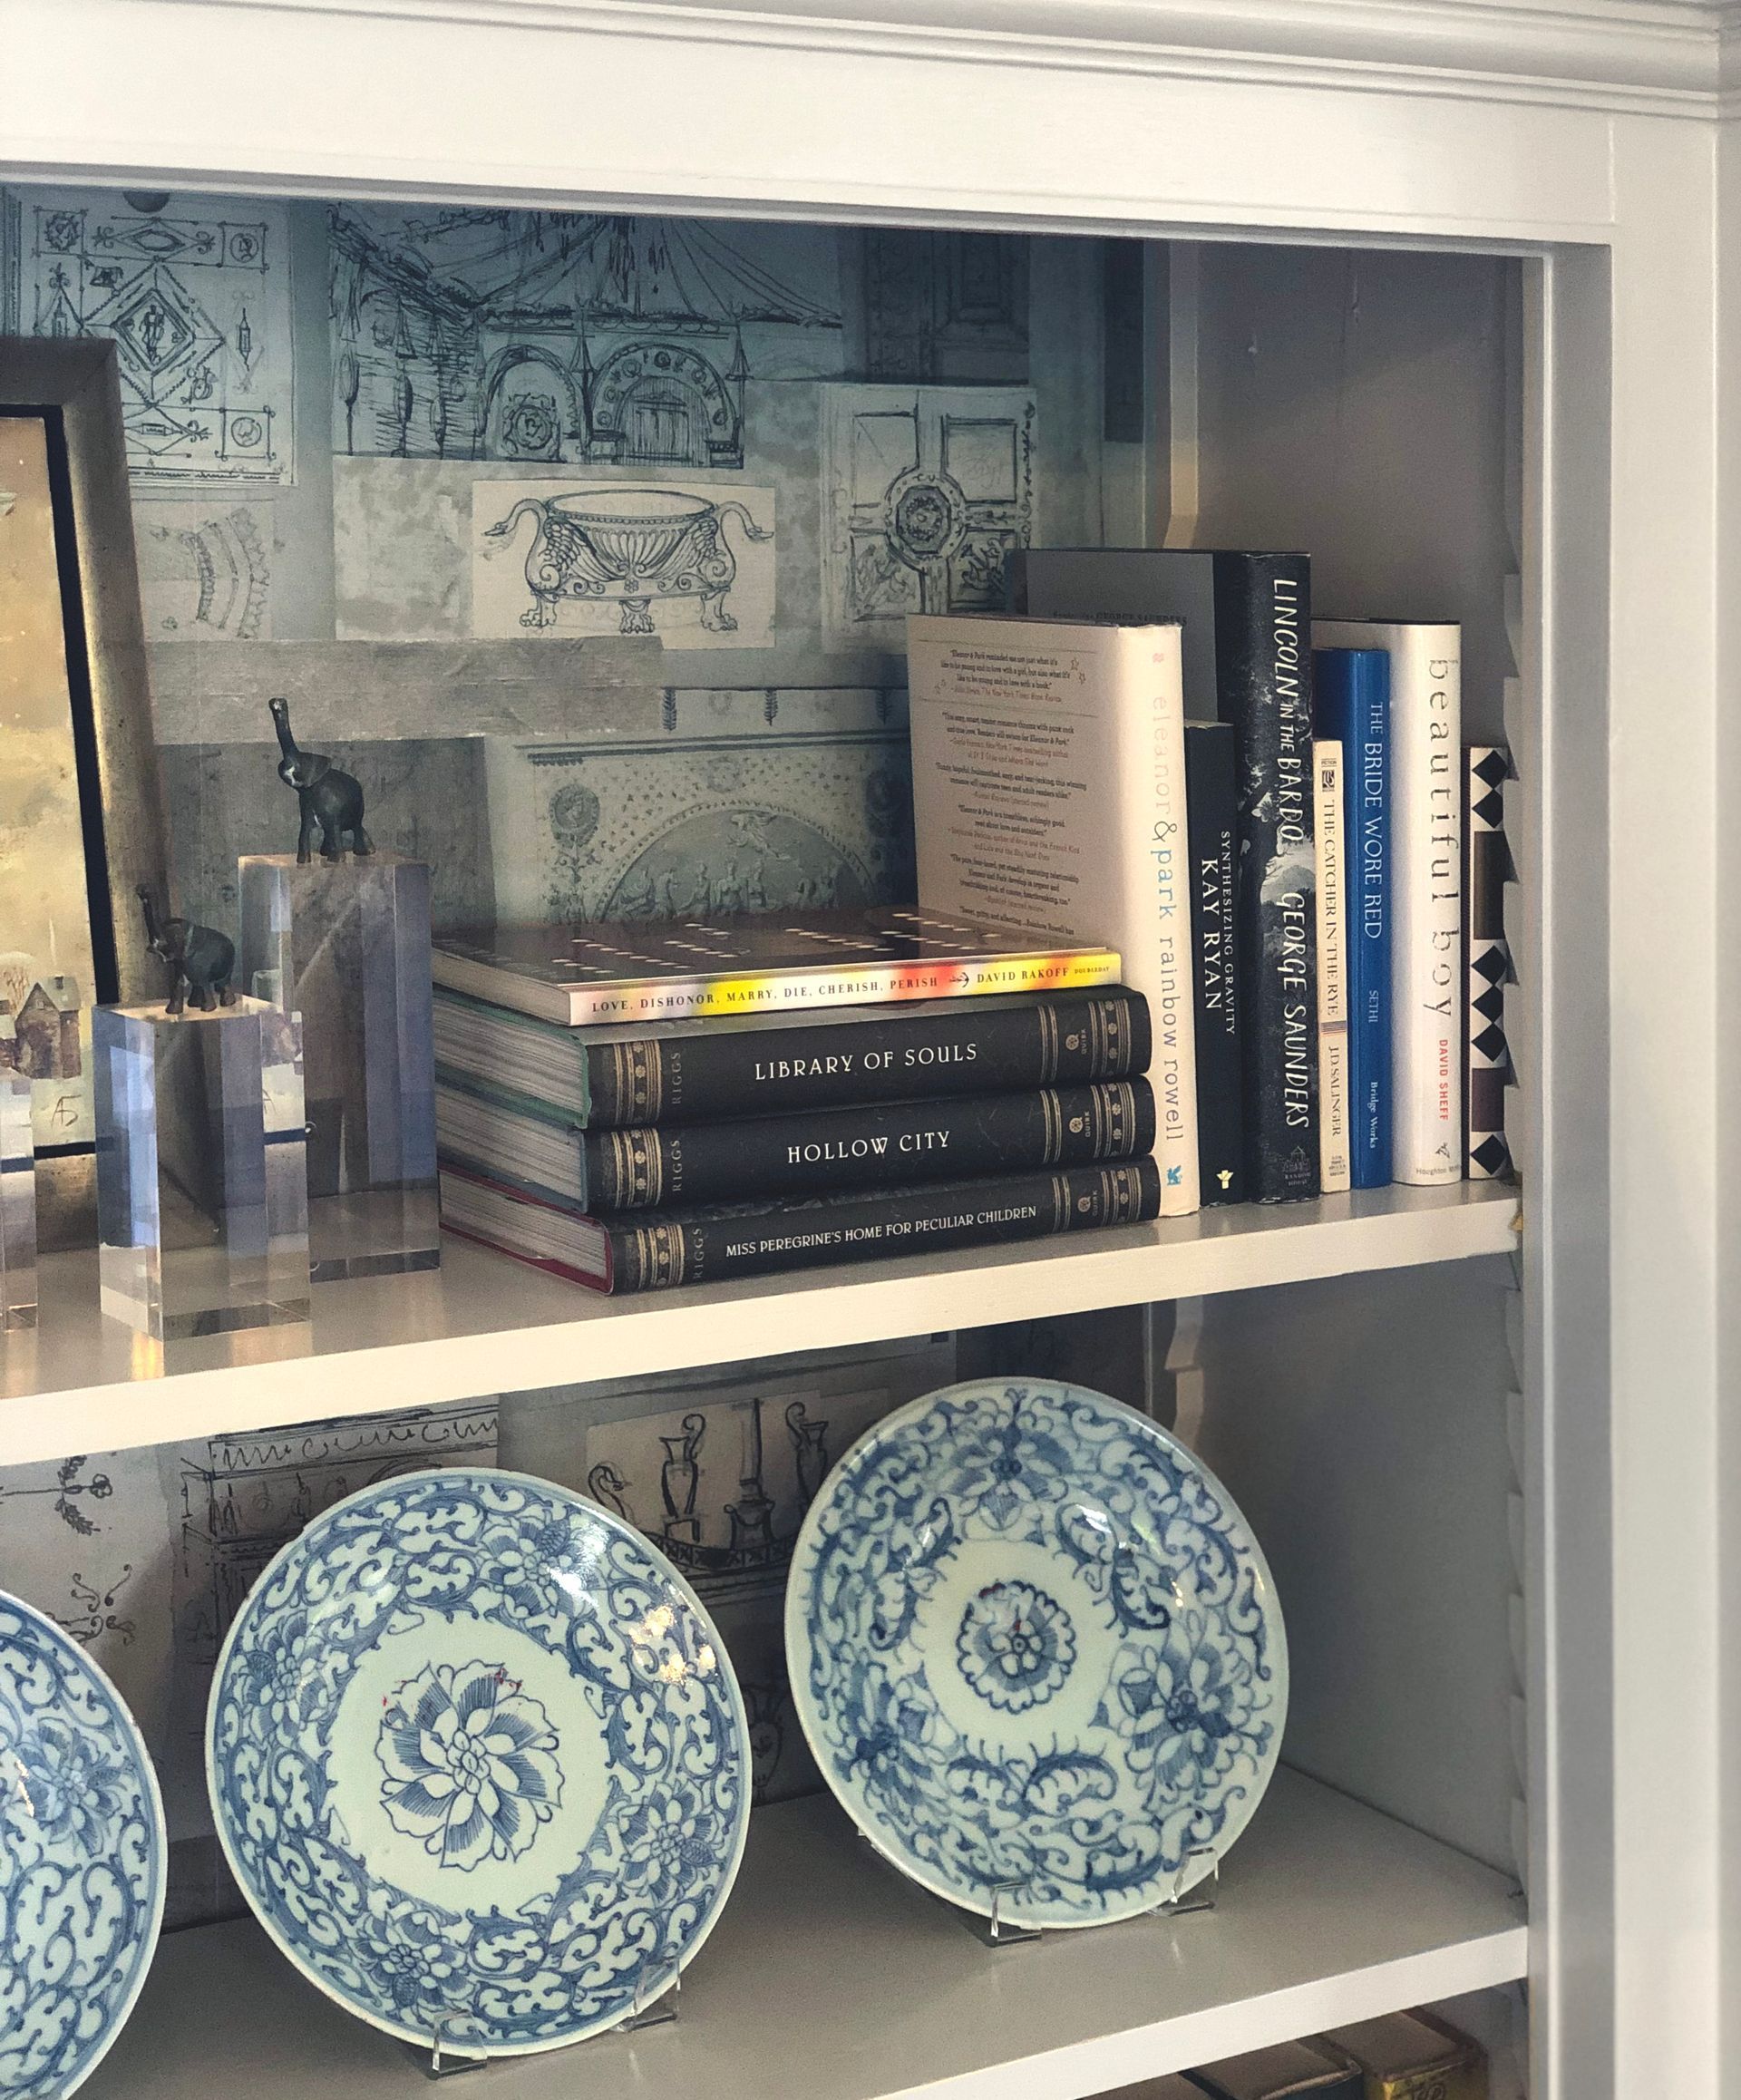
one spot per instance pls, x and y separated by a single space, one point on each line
927 491
1037 1652
680 562
81 1860
479 1761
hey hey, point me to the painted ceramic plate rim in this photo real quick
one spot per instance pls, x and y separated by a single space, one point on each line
159 1830
797 1644
740 1718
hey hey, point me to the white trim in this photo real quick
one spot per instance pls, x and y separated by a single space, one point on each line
484 1324
1650 57
545 115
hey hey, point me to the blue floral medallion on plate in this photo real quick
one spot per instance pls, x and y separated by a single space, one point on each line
1037 1652
479 1761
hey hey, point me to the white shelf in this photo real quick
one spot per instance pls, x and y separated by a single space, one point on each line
484 1324
830 1978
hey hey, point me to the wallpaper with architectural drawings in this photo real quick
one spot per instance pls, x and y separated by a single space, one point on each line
752 447
195 293
706 466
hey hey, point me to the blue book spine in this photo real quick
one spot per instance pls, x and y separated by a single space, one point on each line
1352 703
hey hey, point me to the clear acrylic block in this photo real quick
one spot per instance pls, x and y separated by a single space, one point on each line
17 1204
202 1207
345 945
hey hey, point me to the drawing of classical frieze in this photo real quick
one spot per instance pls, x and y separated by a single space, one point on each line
755 801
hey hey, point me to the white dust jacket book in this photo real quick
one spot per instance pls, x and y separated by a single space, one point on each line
1049 794
1336 1162
1427 888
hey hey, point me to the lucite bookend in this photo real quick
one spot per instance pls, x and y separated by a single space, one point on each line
202 1207
17 1204
345 944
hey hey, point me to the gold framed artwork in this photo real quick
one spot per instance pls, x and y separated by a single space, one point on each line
81 804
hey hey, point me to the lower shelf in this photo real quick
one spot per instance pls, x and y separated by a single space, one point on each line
830 1978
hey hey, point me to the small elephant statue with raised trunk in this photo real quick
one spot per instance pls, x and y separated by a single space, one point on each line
329 798
201 959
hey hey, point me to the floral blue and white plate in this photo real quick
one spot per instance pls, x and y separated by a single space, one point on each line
1037 1652
82 1859
479 1761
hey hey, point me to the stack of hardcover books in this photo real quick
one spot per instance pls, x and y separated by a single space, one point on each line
1277 823
642 1105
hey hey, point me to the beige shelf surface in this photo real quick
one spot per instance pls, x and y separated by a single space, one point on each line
829 1977
484 1324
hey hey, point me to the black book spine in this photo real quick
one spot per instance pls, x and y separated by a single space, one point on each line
715 1074
1212 819
867 1147
1263 624
703 1246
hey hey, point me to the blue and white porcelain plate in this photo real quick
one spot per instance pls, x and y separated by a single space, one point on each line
1037 1652
82 1859
479 1761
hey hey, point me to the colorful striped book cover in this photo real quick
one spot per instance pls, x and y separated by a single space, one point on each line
769 963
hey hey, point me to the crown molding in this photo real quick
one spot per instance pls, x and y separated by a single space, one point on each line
1655 57
1729 18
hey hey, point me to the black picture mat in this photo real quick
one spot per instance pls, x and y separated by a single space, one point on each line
106 989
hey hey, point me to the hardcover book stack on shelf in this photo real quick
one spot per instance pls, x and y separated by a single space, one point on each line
1275 821
645 1106
1191 931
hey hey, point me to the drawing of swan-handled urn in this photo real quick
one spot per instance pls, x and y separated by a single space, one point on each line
626 547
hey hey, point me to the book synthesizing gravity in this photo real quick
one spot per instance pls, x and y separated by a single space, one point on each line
1487 1056
1212 813
1352 703
1426 1018
1247 661
521 1142
655 1250
774 962
699 1071
1049 792
1332 970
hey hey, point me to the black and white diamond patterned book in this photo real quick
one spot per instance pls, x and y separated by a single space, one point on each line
1487 1063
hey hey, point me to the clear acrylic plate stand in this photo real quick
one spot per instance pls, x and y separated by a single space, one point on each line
996 1930
437 2058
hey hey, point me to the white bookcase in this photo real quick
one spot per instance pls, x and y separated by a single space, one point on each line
1482 1448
